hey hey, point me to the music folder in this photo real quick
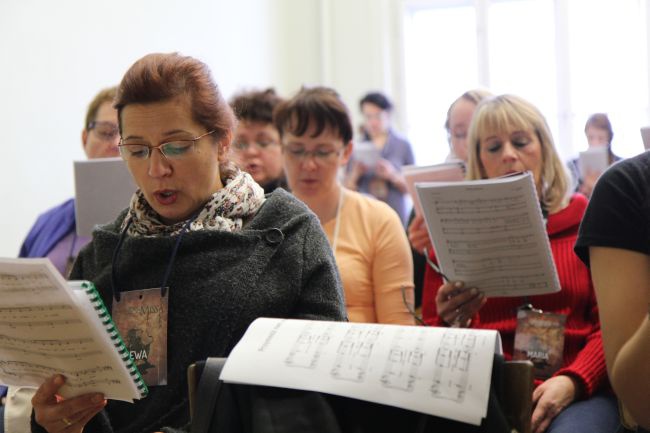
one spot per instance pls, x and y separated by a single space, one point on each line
103 188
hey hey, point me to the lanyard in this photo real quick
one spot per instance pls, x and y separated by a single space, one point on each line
168 270
337 223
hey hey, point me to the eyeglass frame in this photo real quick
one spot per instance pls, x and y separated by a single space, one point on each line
159 147
304 154
261 145
93 126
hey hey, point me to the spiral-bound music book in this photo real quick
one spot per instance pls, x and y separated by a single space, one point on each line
52 326
491 234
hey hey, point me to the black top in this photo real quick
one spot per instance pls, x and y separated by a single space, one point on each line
272 185
419 267
618 214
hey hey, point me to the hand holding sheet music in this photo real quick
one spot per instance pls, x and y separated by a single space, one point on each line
490 234
366 153
49 326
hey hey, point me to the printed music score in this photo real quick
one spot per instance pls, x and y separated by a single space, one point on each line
490 234
50 326
434 370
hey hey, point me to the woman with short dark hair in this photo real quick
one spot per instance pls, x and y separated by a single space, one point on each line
366 235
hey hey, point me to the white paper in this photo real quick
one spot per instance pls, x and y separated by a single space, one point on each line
450 171
438 371
490 234
645 136
103 188
47 327
594 160
367 153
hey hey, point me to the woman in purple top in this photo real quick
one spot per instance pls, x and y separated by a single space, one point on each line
54 233
384 181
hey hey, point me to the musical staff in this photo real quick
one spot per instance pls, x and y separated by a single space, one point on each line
490 234
50 326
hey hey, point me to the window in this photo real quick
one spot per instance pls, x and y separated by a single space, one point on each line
570 58
441 63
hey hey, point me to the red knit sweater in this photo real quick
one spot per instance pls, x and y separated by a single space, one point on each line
584 359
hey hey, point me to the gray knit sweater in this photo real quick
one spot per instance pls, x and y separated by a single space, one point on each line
280 265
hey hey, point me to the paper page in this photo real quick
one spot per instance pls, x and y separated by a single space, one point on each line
645 136
43 331
451 171
438 371
491 235
594 159
103 188
367 153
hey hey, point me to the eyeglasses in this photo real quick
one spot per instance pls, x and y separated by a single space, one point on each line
261 145
171 150
321 156
106 131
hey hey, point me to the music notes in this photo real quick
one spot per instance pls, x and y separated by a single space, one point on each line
440 371
49 326
490 234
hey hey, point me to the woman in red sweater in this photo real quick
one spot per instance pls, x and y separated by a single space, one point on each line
508 135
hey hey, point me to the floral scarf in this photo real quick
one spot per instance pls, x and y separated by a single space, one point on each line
240 198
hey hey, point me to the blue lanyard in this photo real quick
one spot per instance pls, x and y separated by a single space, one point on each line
168 270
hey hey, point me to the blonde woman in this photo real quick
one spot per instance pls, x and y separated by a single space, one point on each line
507 135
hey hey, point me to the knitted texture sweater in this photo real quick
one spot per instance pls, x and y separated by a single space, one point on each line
279 265
584 359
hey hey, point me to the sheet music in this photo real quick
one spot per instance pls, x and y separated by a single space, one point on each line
103 188
46 328
491 235
367 153
439 371
645 137
594 159
449 171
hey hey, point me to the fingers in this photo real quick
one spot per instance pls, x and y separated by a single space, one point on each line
457 305
80 419
540 421
418 234
420 241
68 415
537 393
46 393
543 414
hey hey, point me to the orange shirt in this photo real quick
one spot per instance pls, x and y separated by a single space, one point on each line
374 260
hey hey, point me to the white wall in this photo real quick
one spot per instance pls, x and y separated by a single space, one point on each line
57 55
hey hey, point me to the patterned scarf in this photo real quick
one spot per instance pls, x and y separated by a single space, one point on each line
241 197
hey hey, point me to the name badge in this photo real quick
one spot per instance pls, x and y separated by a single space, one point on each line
141 318
540 339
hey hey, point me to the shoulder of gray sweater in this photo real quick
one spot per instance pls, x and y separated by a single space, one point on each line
281 208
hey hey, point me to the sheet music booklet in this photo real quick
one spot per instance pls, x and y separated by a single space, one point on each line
594 159
491 234
52 326
103 188
447 172
434 370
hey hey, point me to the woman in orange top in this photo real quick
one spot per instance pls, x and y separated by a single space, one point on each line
366 235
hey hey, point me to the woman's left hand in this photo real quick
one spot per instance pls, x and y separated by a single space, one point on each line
549 399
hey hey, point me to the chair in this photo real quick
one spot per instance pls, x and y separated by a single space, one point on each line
510 405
